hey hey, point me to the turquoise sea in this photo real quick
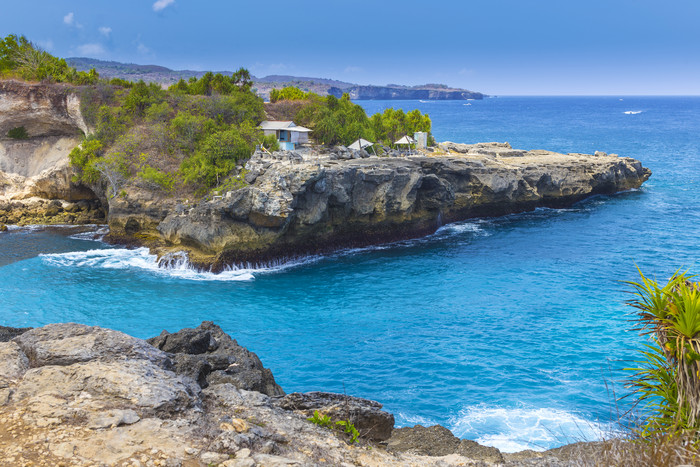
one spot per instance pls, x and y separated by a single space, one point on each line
510 331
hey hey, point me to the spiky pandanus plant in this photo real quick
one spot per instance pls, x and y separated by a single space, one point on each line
668 377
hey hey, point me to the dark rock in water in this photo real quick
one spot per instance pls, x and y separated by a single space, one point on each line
439 441
8 333
209 356
367 416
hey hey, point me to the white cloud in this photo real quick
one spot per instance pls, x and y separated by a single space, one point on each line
105 30
91 49
69 20
142 49
353 69
162 4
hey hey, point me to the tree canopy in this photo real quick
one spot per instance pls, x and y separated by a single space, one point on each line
22 59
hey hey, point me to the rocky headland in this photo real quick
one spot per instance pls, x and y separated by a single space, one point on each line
288 204
72 394
298 203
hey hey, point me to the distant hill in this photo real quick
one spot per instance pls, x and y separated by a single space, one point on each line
323 86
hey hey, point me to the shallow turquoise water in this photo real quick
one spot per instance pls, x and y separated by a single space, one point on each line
505 330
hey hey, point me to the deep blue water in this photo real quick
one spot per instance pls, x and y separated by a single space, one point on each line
509 330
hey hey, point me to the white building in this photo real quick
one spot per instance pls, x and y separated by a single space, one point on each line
288 134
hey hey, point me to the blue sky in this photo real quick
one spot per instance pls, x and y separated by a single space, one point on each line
499 47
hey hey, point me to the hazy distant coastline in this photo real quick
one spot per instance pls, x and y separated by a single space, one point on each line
263 86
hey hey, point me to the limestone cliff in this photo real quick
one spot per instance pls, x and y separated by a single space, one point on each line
300 204
35 170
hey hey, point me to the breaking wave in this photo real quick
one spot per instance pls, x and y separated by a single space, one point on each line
633 112
176 265
517 429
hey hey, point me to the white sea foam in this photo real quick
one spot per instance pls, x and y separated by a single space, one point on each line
28 228
97 234
633 112
460 228
517 429
408 420
176 265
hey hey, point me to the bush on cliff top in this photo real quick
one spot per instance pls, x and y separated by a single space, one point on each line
339 121
171 140
20 58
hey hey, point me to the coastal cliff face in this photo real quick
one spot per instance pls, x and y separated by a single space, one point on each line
35 174
296 205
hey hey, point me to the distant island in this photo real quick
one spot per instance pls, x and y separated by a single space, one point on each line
263 86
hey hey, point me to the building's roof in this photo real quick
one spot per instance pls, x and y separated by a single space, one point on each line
405 140
360 144
283 125
299 129
276 125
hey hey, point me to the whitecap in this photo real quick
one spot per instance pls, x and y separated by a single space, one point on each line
460 228
517 429
633 112
176 265
97 233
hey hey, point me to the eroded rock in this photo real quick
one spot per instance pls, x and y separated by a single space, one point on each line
209 356
439 441
367 416
68 343
340 199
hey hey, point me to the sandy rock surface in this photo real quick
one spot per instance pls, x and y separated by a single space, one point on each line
78 395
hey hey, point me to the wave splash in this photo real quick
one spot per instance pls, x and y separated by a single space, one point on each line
517 429
175 265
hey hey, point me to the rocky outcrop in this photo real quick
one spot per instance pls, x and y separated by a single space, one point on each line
209 356
405 93
439 441
298 204
367 416
80 395
35 168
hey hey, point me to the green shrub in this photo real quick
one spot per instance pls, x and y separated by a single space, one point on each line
289 93
345 426
667 378
83 159
159 112
190 129
321 420
157 178
216 157
270 143
21 58
141 96
18 133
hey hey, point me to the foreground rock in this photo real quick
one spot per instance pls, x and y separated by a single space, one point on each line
78 395
209 356
296 204
367 416
439 441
